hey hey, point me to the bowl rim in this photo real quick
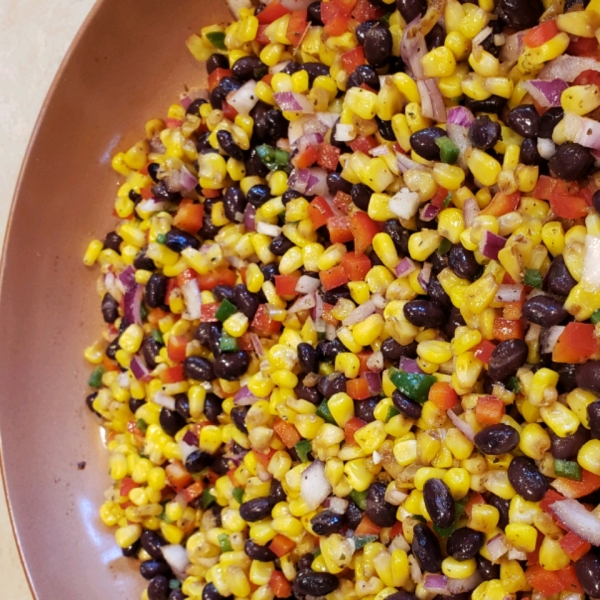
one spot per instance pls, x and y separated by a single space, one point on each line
27 158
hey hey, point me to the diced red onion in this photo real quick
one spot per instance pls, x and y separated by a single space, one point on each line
424 276
244 397
405 267
338 505
405 163
382 150
317 182
314 487
470 211
296 128
458 586
436 584
514 554
461 425
432 103
491 244
404 204
317 311
185 101
132 305
177 558
244 99
172 181
344 132
192 299
258 347
546 148
460 136
375 362
511 49
546 93
568 67
428 212
188 181
307 284
409 365
249 217
509 292
395 497
327 119
550 338
374 382
186 448
303 303
190 438
268 229
139 368
582 130
591 259
127 278
294 102
360 313
330 332
413 48
309 139
497 547
165 400
575 517
460 115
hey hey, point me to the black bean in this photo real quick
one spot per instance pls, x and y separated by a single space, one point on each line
593 413
423 313
89 402
220 465
153 567
353 515
435 38
437 293
566 377
454 320
314 13
520 15
494 104
544 310
484 133
310 394
210 593
178 240
259 553
526 479
524 119
249 67
159 588
332 384
228 145
507 357
596 201
462 262
385 129
305 561
362 30
177 595
213 408
203 144
247 302
381 512
398 234
255 510
197 461
258 194
131 551
558 279
363 409
292 67
566 448
276 492
402 595
110 308
439 502
363 74
378 46
361 195
588 573
426 549
153 171
280 245
255 165
269 271
327 522
314 583
113 241
486 569
234 203
155 291
588 376
549 120
171 421
150 350
336 183
407 407
465 543
238 416
194 107
411 9
182 405
314 70
142 261
394 351
307 357
223 292
571 161
327 351
226 85
208 230
231 366
530 154
497 439
502 505
216 61
198 368
423 142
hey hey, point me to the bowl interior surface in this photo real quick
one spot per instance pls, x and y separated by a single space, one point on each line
127 65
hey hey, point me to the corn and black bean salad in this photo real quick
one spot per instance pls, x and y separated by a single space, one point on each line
352 309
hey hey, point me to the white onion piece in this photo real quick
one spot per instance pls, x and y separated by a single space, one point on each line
546 148
307 284
509 292
415 570
458 586
236 5
280 66
461 425
165 400
294 102
568 67
578 519
375 362
497 547
591 260
404 204
314 487
481 36
328 119
360 313
394 496
405 163
512 47
192 299
303 303
123 380
244 99
296 128
382 150
550 338
460 136
330 332
514 554
344 133
268 229
379 301
470 211
177 558
338 505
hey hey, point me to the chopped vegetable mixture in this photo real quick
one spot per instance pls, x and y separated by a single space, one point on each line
352 309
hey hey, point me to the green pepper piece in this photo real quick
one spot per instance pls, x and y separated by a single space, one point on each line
217 39
157 337
444 246
325 414
161 238
512 384
302 449
447 201
174 584
238 494
224 542
360 541
141 425
448 150
392 412
143 311
567 469
207 499
360 498
460 511
282 158
225 310
595 318
227 343
95 379
385 19
533 278
414 385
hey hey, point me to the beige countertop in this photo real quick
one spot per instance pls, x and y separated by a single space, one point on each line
35 36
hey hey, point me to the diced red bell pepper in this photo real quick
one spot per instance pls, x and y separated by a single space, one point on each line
287 432
329 156
285 285
171 285
351 427
176 347
363 357
475 498
356 266
483 351
319 211
172 374
185 276
208 312
261 36
193 491
569 579
489 410
146 193
544 187
178 476
396 530
279 585
365 11
583 47
353 58
210 193
333 277
264 458
575 344
281 545
172 123
367 527
442 394
215 77
569 207
577 489
339 229
363 144
305 158
220 276
564 197
335 14
513 311
337 24
502 204
546 582
327 315
506 329
127 484
550 497
272 12
574 546
343 202
229 112
358 389
155 315
440 195
262 323
296 27
539 35
364 230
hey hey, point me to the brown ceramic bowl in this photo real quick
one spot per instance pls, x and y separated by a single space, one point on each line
127 65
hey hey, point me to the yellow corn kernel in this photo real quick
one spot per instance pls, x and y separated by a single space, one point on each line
484 518
402 130
535 441
128 535
366 332
458 481
450 177
439 62
348 364
407 86
589 456
458 44
405 451
361 102
522 536
385 249
371 436
560 419
552 557
531 60
580 99
435 351
484 167
423 243
414 117
458 569
92 252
